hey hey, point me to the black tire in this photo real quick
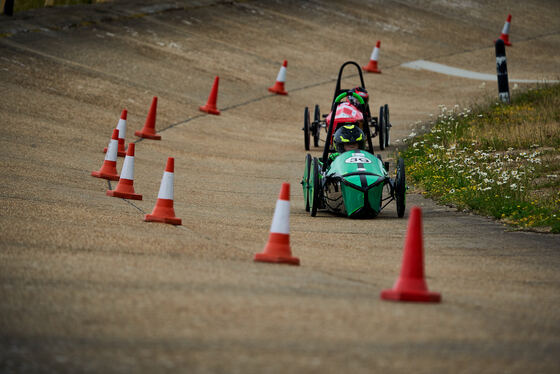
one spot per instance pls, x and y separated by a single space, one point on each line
400 188
305 181
387 126
315 187
317 127
381 128
306 129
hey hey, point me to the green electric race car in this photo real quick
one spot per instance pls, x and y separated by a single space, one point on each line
353 183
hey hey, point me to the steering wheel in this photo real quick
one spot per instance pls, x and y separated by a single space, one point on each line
344 94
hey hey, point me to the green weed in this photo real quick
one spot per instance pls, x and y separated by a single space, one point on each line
498 160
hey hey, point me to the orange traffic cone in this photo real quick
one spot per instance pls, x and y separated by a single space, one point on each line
109 168
125 187
278 87
210 106
163 211
411 285
372 65
505 31
277 249
121 126
149 130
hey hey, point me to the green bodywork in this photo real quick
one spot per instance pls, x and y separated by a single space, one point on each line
360 176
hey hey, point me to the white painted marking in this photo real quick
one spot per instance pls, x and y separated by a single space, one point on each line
281 75
505 30
128 168
166 187
281 218
375 54
456 72
121 126
111 154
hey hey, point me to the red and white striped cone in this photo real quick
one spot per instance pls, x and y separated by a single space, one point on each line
149 129
505 32
372 65
121 126
163 211
278 87
109 168
277 250
125 187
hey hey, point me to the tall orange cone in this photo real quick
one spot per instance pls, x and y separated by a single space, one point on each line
163 211
372 65
411 285
278 87
505 31
210 106
121 126
125 187
109 168
277 249
149 130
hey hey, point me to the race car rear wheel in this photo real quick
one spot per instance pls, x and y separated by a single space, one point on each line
315 187
317 127
306 129
305 181
387 126
400 188
381 128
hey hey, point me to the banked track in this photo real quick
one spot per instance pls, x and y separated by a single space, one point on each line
91 288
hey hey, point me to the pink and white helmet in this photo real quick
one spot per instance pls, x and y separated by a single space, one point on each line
346 113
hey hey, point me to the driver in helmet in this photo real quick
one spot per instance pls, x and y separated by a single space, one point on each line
347 137
360 91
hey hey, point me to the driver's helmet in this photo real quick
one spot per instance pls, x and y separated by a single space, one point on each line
348 133
360 91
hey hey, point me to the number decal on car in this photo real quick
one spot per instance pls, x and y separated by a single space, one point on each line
358 159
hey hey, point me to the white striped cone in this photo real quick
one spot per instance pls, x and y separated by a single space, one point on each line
109 168
125 187
372 65
121 126
278 250
163 211
278 87
505 31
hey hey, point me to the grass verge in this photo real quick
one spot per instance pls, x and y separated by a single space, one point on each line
498 160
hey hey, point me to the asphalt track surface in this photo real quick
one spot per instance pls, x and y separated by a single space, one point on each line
87 286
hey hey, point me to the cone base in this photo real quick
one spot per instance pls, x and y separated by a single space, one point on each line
119 153
411 295
170 220
370 70
209 110
277 91
506 42
100 174
147 135
124 195
264 257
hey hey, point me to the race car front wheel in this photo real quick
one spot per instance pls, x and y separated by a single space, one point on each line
315 187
